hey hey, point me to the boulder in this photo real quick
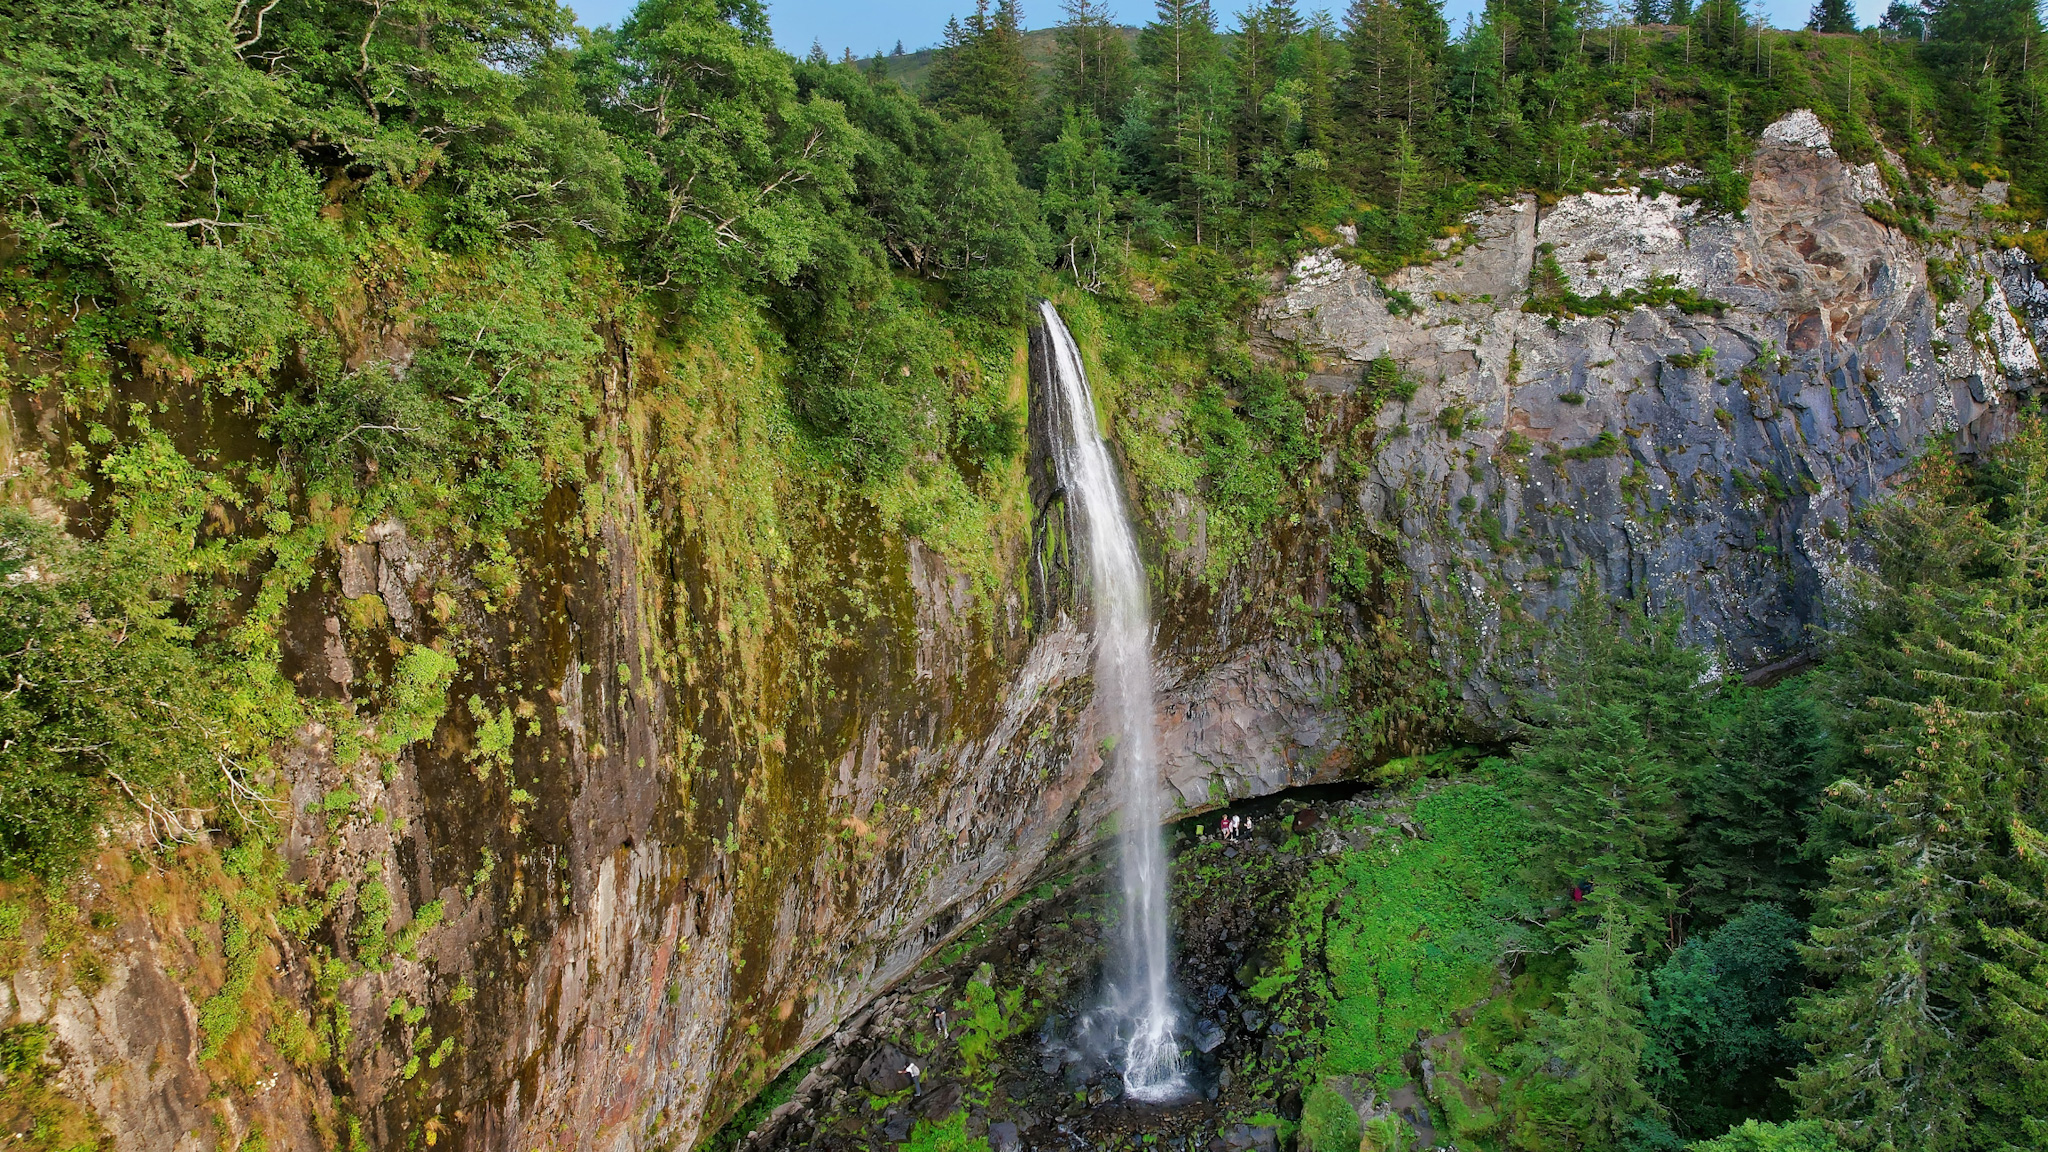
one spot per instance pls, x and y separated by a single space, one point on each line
883 1073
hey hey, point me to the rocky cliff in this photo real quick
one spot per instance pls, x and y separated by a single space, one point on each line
725 761
1704 454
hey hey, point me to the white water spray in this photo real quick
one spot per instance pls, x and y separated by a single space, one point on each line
1141 995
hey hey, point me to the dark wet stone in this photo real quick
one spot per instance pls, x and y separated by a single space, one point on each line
940 1102
883 1073
1247 1138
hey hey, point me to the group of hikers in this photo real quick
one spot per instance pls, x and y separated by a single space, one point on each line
1233 828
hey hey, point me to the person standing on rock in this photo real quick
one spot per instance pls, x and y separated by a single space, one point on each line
916 1082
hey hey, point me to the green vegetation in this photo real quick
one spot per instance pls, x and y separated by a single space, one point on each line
947 1135
1690 911
280 275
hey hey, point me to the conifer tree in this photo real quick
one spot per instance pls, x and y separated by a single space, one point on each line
1831 16
1263 32
1601 772
1187 86
1607 815
1889 1034
1600 1037
980 70
1092 62
2015 1086
1317 61
1390 90
1751 803
1080 199
1951 654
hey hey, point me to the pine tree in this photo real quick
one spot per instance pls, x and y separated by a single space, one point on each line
1831 16
1951 654
1752 802
1600 774
1390 90
1906 21
1600 1037
1607 815
1889 1036
1080 198
2015 1090
1185 81
1317 60
980 69
1091 62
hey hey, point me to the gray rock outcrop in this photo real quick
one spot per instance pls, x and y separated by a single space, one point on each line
1707 459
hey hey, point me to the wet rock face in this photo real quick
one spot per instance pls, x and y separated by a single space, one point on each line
1698 460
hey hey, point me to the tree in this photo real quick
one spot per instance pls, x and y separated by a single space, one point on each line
1390 91
1904 20
1940 687
727 166
1888 1037
1759 1136
1080 200
980 69
1091 62
1600 1039
1186 87
1831 16
1713 1018
2015 1090
1752 802
1600 772
1606 808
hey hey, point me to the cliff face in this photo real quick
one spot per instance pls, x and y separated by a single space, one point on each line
727 758
1707 459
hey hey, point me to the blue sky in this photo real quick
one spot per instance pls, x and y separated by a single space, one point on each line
864 27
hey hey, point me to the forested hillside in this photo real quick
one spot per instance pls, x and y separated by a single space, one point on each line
292 283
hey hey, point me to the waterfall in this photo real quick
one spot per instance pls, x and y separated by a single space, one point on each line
1141 1000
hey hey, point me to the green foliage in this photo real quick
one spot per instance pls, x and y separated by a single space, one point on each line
1600 1038
992 1017
1550 294
1601 776
948 1135
1753 804
1413 933
1328 1121
1604 445
418 698
1253 432
1715 1048
980 69
111 703
1758 1136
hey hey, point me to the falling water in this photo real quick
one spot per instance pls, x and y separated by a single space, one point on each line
1141 996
